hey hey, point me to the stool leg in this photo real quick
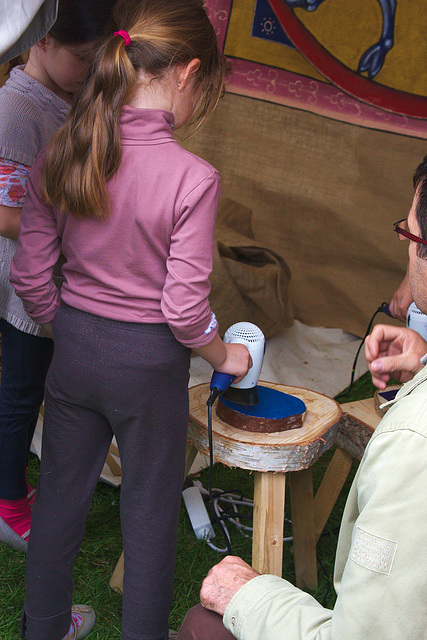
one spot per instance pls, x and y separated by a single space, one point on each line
190 455
330 488
116 580
301 490
269 515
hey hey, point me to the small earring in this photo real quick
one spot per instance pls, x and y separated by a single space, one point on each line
179 83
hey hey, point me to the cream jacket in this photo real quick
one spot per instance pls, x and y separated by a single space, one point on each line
381 562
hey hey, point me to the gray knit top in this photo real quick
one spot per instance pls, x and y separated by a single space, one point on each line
29 116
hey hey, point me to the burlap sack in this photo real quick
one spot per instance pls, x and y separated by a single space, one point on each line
250 282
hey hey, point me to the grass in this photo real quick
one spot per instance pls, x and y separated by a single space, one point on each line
102 546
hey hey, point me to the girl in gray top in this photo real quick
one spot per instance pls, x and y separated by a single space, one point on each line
33 105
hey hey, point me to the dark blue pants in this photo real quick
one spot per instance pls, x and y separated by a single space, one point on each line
130 380
25 361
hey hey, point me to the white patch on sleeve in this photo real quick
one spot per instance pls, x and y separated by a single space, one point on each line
372 552
212 325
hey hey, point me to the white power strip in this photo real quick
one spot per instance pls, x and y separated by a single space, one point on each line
197 513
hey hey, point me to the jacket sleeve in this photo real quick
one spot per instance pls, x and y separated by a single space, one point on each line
38 249
185 303
383 590
270 608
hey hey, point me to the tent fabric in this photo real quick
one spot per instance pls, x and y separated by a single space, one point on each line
249 281
324 195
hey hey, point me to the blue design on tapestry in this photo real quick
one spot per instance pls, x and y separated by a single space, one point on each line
266 27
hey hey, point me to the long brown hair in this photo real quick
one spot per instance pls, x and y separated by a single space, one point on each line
86 151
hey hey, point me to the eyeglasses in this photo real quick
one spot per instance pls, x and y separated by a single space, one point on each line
401 227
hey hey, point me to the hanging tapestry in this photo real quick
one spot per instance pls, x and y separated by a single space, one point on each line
360 62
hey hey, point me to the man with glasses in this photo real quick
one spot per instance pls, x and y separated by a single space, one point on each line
396 351
380 568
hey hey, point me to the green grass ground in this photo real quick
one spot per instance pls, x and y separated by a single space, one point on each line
102 547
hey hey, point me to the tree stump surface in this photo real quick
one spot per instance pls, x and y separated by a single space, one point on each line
282 451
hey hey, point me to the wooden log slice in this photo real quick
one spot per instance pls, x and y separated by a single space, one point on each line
358 422
283 451
275 411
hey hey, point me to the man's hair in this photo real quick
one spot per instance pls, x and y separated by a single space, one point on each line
420 185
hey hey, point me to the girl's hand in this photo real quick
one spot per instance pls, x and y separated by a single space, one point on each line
48 330
238 360
231 358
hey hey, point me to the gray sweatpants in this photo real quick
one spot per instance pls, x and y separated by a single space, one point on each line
131 380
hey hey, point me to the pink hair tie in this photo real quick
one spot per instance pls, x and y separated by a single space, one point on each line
124 35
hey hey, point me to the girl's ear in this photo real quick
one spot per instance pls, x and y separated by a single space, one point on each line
41 44
186 72
45 42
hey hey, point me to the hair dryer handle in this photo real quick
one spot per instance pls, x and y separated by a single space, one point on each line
221 381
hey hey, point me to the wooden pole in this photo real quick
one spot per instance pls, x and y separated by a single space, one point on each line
269 516
301 489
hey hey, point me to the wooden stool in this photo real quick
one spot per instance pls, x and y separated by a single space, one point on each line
359 421
270 456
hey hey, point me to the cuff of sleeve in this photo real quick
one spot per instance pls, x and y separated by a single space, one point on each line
267 605
207 337
42 318
200 341
244 602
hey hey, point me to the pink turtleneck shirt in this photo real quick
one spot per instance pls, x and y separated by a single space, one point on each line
150 259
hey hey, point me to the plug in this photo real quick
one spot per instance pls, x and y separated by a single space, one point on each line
197 513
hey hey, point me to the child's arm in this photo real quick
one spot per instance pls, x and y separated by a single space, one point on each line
13 190
10 222
231 358
38 249
48 329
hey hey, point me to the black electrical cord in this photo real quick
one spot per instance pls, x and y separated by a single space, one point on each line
382 309
211 496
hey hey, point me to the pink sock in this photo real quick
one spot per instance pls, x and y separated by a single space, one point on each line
16 514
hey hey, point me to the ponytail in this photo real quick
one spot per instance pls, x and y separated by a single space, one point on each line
86 152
